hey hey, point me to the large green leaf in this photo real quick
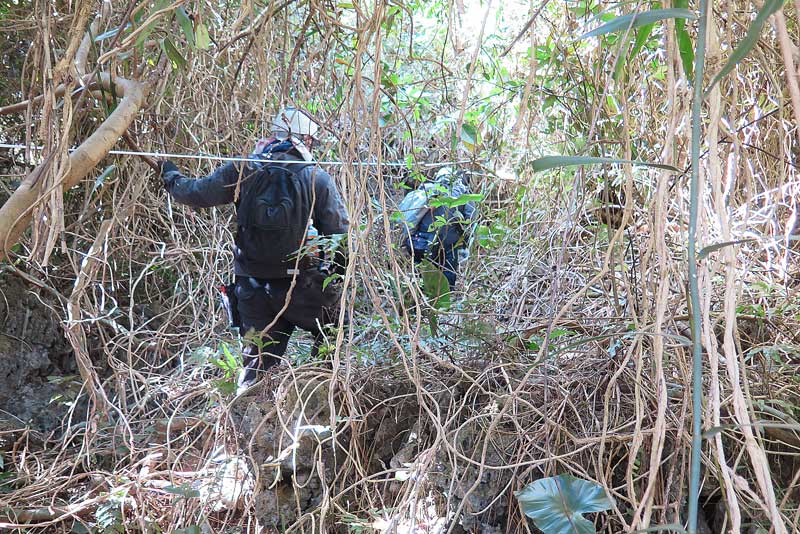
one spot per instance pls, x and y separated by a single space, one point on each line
749 41
557 504
685 46
550 162
635 20
435 285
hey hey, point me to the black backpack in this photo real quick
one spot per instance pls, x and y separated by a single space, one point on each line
272 215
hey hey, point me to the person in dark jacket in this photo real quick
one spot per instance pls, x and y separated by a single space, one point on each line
276 211
440 233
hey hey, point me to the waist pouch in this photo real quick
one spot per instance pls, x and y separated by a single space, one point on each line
317 281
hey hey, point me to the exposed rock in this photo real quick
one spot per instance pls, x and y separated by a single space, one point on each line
32 348
298 456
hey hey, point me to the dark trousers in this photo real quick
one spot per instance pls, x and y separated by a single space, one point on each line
261 301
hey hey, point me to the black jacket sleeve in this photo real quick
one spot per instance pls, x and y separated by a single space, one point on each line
330 214
213 190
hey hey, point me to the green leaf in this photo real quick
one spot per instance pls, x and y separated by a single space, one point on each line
749 41
685 46
226 386
184 490
201 37
102 178
550 162
172 53
185 24
705 251
461 200
229 357
160 4
635 20
469 135
329 279
110 33
642 34
435 285
557 504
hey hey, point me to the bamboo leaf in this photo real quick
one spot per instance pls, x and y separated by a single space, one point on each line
551 162
641 38
111 33
102 178
636 20
159 5
749 41
201 37
705 251
185 24
642 34
685 46
172 53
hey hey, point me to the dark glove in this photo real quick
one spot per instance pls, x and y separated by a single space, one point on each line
169 172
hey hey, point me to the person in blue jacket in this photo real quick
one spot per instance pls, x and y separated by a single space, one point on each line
441 233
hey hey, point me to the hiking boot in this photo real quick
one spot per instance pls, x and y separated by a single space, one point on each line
249 375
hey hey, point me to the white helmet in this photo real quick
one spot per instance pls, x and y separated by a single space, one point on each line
292 121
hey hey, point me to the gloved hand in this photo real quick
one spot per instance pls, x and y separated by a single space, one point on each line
169 172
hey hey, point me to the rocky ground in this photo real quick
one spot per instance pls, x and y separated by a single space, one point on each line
38 374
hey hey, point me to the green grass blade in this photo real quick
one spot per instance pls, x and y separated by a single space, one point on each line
749 41
551 162
636 20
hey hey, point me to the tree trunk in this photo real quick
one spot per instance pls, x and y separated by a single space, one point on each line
16 213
